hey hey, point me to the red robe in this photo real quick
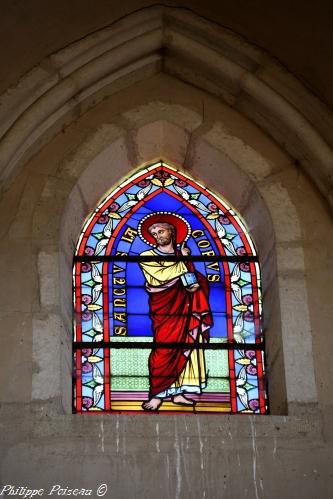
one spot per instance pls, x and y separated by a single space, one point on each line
175 313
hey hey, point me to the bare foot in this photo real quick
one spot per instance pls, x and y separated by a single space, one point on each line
182 400
152 404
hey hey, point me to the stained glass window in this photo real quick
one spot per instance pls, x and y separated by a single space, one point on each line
167 300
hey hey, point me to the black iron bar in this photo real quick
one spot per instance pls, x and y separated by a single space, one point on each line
172 258
151 345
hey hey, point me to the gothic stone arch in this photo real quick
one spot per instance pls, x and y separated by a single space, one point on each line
266 219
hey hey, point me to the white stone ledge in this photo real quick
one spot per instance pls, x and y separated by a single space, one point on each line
282 429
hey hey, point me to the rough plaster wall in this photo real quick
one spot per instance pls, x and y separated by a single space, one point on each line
142 456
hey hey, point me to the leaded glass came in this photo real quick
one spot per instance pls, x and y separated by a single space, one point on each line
167 299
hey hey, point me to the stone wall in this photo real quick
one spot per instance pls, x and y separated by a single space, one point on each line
46 197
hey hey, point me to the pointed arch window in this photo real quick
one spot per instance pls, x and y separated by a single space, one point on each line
167 300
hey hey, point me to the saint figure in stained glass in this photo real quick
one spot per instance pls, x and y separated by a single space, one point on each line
179 310
163 265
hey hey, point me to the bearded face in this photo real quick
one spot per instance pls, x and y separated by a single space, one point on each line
162 235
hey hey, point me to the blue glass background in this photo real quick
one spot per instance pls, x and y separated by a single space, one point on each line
137 309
